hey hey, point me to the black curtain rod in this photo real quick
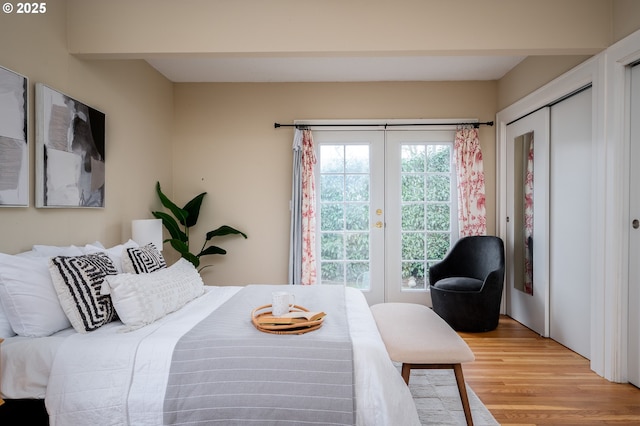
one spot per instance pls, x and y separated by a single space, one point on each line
298 126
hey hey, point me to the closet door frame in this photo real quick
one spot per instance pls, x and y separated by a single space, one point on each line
588 73
617 61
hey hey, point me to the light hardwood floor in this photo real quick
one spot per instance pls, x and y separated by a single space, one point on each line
525 379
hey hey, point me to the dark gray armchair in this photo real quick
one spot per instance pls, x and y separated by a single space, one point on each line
466 286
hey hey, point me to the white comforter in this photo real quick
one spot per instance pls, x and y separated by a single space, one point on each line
108 377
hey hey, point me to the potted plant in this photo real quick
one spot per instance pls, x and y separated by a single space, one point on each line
182 220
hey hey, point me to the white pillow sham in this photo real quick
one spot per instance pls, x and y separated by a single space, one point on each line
35 252
28 297
141 299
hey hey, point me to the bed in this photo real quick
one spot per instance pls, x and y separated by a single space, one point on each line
124 371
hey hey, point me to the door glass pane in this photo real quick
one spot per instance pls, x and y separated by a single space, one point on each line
331 187
345 210
332 159
357 217
438 158
356 158
357 187
425 210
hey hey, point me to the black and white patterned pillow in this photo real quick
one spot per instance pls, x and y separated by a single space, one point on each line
142 260
78 280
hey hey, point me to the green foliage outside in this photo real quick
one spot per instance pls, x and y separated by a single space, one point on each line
426 215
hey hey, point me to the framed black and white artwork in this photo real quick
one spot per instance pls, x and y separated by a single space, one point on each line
14 144
70 148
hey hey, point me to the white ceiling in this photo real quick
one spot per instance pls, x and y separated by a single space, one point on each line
334 69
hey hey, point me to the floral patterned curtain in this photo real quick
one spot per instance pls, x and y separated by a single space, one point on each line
302 253
308 210
472 216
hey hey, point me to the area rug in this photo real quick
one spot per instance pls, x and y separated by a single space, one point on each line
438 402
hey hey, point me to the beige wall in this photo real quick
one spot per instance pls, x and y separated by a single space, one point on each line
538 70
283 27
226 145
626 18
138 103
532 73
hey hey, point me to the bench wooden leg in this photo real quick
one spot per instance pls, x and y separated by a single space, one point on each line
462 388
457 370
406 372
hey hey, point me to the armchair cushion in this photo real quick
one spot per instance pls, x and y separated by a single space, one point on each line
459 284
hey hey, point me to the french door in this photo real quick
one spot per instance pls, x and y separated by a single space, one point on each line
386 209
350 210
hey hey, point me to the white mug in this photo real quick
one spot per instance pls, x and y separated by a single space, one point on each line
281 303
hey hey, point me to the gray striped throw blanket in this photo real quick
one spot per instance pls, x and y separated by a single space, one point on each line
225 371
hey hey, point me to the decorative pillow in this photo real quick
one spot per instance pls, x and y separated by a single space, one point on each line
115 252
141 299
142 260
77 281
28 297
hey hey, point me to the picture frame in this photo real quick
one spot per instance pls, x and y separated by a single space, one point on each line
70 151
14 139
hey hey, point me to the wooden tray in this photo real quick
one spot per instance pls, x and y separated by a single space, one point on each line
294 328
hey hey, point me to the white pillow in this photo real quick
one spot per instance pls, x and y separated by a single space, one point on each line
29 253
28 298
5 325
77 280
142 260
141 299
115 252
50 251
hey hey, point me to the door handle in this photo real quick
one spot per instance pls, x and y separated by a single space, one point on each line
635 224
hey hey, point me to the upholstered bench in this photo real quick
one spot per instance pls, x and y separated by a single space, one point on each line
418 338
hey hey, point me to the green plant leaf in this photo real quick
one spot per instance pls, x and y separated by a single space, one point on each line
191 258
179 213
212 250
224 230
171 225
193 209
183 249
180 246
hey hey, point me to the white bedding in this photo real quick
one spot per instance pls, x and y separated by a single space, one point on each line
26 364
108 377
